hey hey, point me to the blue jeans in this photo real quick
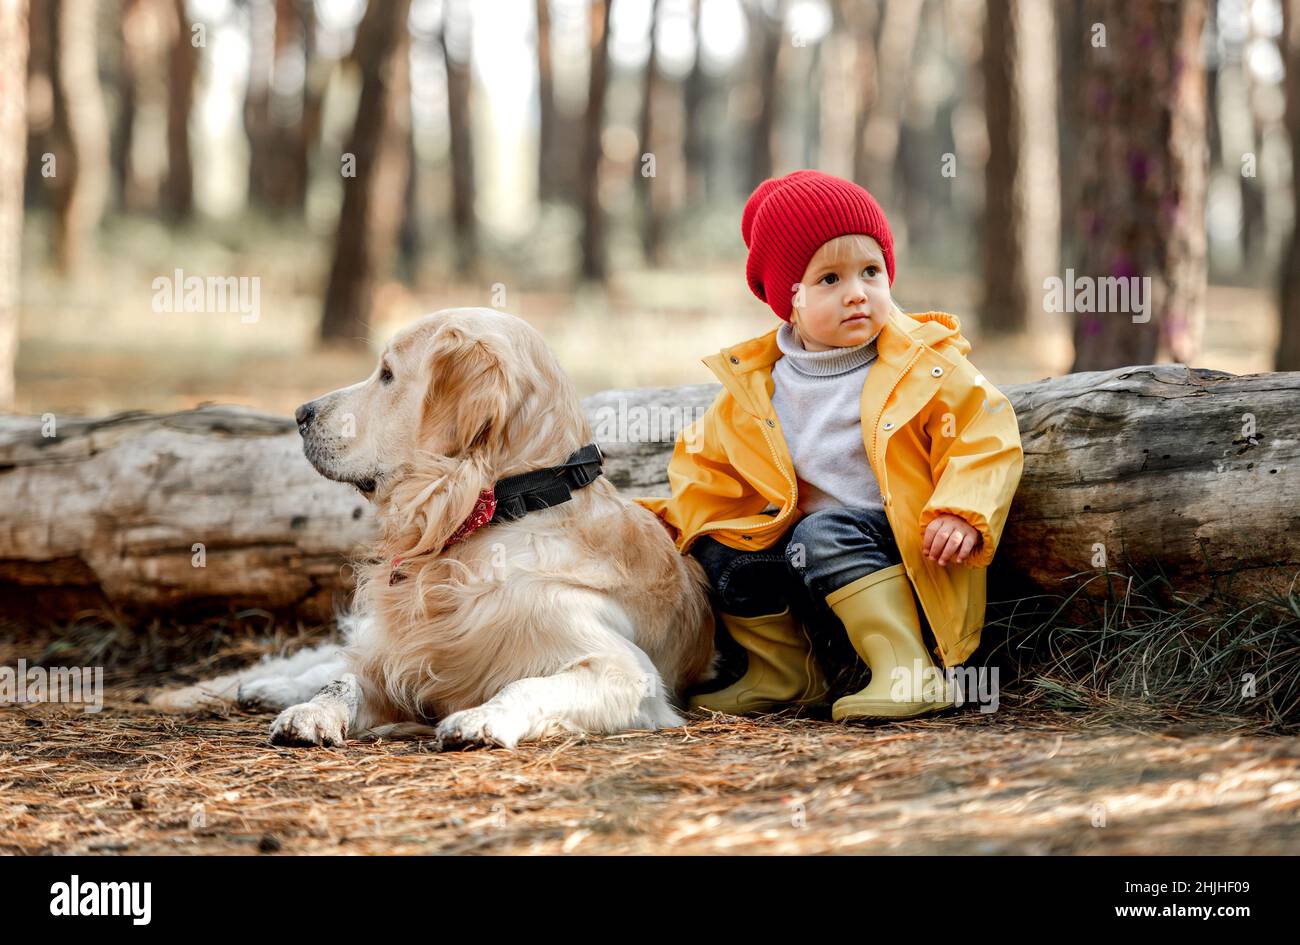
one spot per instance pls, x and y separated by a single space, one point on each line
823 552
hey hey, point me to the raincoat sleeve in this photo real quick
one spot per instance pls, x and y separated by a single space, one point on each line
705 486
975 458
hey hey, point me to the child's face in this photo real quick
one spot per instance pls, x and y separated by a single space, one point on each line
846 295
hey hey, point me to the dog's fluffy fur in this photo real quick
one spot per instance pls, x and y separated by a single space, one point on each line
582 617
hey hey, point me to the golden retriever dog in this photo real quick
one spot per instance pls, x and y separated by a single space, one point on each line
578 617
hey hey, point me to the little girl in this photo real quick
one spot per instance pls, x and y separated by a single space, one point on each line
853 454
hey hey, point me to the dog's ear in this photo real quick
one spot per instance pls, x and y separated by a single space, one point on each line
469 392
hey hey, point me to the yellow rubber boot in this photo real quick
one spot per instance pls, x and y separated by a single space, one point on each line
782 670
879 615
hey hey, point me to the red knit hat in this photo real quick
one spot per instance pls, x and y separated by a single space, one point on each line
787 219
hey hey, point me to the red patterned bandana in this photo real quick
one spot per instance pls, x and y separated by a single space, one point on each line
484 509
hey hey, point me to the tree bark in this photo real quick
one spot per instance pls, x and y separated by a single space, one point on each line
837 86
13 160
864 22
1021 232
114 511
456 16
648 188
178 190
1142 162
79 185
547 188
878 144
767 63
371 212
695 91
1288 348
1005 307
123 136
257 98
280 123
1190 471
1070 42
593 230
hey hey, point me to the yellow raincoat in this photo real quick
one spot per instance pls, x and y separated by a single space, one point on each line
939 437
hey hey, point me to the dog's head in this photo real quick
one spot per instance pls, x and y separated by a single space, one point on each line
456 400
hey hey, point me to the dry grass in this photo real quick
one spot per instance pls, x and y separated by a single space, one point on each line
1023 781
1117 732
1107 777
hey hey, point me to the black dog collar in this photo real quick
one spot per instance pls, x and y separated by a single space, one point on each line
516 496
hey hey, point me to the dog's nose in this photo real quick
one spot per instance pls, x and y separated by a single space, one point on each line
304 415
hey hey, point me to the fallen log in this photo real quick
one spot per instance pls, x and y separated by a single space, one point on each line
1191 471
200 510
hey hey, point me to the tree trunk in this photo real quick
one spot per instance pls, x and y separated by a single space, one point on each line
456 16
1021 230
79 185
281 123
1071 39
880 135
1250 187
123 137
768 41
593 230
257 98
864 22
837 86
1142 164
695 92
376 153
294 112
1288 348
1005 233
1135 468
39 100
313 92
646 187
178 190
13 159
547 188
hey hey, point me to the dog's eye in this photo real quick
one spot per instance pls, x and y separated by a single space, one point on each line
385 375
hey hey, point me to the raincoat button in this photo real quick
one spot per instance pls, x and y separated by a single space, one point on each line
936 371
770 423
735 360
747 537
889 424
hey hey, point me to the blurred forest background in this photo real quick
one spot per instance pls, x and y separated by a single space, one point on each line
583 164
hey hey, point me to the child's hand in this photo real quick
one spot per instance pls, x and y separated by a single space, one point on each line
950 537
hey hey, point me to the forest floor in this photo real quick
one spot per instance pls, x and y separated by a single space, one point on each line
1026 779
1019 781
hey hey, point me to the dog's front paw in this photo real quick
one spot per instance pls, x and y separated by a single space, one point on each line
482 725
310 723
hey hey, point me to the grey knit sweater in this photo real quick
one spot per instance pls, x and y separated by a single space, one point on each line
818 399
